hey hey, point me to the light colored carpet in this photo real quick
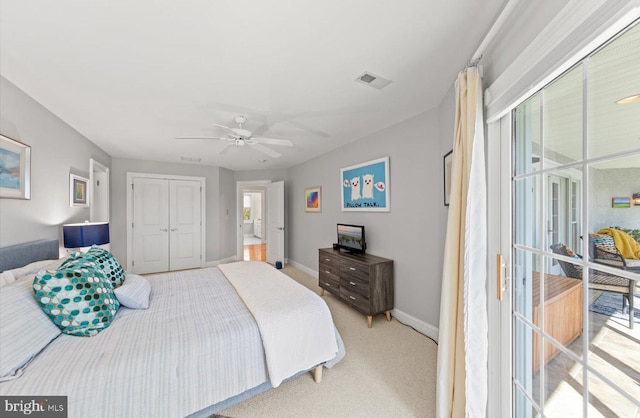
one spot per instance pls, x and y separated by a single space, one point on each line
389 371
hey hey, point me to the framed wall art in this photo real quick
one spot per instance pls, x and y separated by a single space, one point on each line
78 189
365 186
447 161
15 169
312 199
620 202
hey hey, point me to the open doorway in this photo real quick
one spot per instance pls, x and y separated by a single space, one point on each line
98 192
254 246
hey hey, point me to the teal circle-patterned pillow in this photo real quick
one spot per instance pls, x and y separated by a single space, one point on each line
109 265
104 261
79 300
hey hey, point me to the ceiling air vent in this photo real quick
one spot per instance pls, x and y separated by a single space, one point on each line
372 80
191 159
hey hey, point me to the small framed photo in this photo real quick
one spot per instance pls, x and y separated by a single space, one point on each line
312 199
15 169
621 202
447 164
78 189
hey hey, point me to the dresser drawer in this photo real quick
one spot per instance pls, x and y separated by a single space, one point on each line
355 299
355 284
354 271
329 268
332 286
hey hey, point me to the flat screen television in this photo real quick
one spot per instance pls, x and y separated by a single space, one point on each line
351 238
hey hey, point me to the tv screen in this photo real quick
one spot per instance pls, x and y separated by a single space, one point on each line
351 238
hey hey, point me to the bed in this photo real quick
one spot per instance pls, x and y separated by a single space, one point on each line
198 349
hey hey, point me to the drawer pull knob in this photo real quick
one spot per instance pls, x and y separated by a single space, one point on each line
328 284
327 271
352 283
352 268
352 298
327 259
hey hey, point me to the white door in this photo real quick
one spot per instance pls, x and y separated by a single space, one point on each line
150 225
275 222
184 224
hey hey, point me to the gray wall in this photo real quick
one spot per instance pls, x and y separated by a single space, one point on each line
410 233
608 183
220 194
56 151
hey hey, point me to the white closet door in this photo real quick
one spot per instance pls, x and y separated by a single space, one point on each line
150 225
185 224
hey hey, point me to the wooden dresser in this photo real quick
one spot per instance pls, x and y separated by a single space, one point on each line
365 282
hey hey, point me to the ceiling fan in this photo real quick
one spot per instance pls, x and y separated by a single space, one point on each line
240 136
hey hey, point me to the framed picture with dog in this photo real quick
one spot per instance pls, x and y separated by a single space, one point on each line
365 186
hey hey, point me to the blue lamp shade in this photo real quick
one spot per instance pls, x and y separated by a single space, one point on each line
85 234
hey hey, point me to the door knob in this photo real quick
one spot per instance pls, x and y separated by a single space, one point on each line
163 229
281 228
174 229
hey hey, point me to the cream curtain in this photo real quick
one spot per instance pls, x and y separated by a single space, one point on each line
462 341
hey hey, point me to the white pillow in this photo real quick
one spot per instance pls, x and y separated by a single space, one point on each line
36 266
6 277
134 292
25 330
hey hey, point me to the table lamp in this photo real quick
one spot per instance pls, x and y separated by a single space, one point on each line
86 234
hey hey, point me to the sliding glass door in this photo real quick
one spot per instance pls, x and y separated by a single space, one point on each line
575 167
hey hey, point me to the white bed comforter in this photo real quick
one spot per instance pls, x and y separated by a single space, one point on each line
292 342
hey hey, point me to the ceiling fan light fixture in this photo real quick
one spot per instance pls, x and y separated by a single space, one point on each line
629 99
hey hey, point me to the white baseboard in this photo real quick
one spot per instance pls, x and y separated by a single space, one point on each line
224 260
419 325
305 269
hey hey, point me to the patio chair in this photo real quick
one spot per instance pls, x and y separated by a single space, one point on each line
599 280
604 252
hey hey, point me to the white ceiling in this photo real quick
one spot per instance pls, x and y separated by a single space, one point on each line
133 75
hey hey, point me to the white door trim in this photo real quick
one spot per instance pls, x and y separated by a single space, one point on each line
575 31
96 166
499 313
203 185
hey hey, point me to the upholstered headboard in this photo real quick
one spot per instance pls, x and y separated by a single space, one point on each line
23 254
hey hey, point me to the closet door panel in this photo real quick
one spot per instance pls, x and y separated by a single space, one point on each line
150 225
185 224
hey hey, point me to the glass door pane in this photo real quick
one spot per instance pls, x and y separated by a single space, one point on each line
576 240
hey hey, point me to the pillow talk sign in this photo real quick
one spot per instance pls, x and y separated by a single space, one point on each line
365 186
33 406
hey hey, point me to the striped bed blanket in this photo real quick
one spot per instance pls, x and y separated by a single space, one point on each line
195 346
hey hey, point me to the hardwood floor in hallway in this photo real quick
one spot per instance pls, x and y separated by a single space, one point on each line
256 252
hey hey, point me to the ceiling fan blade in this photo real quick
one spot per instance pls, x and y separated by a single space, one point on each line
265 150
223 127
272 141
226 148
202 137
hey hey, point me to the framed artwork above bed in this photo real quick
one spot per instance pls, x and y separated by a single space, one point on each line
78 188
15 169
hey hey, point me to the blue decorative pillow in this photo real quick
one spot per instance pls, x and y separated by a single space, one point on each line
79 300
104 261
604 246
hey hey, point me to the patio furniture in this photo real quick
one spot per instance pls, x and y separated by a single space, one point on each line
600 251
599 280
